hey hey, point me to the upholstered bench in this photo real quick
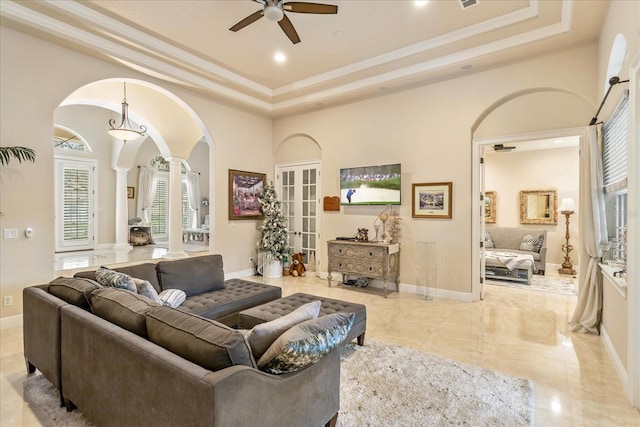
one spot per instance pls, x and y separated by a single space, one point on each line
251 317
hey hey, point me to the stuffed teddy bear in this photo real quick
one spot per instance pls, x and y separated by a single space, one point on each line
297 266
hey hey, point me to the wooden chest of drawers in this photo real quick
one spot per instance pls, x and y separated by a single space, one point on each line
373 260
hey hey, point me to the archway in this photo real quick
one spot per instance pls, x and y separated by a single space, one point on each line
173 126
535 113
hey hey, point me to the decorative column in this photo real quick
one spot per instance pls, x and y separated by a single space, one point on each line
122 216
176 249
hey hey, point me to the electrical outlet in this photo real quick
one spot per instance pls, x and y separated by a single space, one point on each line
7 301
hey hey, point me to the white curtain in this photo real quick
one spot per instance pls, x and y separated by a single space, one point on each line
593 232
146 191
193 194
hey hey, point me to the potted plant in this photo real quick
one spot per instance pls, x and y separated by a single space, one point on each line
19 153
273 244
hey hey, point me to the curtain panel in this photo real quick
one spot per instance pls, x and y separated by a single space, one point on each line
593 232
146 191
193 195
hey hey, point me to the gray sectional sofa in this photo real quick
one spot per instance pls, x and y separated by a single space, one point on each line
118 362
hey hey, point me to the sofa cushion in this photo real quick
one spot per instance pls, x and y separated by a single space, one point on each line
73 290
144 288
531 243
194 275
263 335
205 342
146 271
172 297
122 308
115 279
306 343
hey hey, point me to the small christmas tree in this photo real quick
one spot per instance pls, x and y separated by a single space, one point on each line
273 233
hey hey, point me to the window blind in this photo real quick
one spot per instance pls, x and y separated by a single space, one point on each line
615 154
160 209
76 199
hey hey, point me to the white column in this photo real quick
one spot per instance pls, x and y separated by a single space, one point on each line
121 219
176 249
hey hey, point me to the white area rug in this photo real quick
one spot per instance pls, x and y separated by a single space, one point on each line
388 385
553 284
385 385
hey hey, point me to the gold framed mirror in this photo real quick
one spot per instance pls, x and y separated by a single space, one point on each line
490 207
538 207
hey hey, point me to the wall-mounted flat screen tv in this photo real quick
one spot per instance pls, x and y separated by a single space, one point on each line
370 185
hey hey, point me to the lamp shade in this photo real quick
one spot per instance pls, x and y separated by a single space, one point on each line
567 205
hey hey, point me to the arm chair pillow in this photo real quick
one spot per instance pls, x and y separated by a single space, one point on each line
306 343
195 275
205 342
488 242
73 290
263 335
115 279
121 308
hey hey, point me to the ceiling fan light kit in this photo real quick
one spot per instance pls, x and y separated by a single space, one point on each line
274 10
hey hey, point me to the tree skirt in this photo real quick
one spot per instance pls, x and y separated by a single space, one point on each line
383 384
553 284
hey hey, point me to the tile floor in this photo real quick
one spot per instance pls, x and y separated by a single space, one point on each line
517 332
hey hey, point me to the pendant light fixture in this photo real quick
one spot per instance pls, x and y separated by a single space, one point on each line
125 130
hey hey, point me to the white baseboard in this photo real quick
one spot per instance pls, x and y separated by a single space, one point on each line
613 355
11 321
412 289
239 274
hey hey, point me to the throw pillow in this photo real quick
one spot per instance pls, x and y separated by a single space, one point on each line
306 343
488 242
124 309
530 243
73 290
172 297
205 342
264 334
145 288
108 277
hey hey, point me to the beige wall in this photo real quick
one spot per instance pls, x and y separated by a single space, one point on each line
429 131
509 173
614 319
32 90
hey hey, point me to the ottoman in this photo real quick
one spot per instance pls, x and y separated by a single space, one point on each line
251 317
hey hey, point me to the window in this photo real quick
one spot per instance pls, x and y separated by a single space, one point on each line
615 159
160 207
66 139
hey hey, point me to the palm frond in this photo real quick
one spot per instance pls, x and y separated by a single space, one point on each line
19 153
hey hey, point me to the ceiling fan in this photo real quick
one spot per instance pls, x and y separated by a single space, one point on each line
502 148
274 11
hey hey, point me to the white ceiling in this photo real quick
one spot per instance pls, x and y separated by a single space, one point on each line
368 47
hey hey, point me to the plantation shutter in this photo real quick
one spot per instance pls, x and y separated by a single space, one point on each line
186 209
76 199
160 209
616 147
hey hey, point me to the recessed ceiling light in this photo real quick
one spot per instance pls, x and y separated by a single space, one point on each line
558 141
279 57
420 3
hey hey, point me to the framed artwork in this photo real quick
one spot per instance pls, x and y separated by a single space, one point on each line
131 192
432 200
538 207
490 207
244 190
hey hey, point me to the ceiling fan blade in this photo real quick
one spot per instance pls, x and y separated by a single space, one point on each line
288 29
248 20
303 7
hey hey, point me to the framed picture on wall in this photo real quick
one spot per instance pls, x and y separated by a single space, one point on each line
131 192
490 207
244 190
432 200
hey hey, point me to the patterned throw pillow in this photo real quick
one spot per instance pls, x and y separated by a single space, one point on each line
306 343
488 243
172 297
108 277
531 243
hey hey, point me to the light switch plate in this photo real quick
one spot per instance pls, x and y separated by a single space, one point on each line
10 233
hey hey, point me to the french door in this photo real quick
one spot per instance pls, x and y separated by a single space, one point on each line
75 197
299 188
